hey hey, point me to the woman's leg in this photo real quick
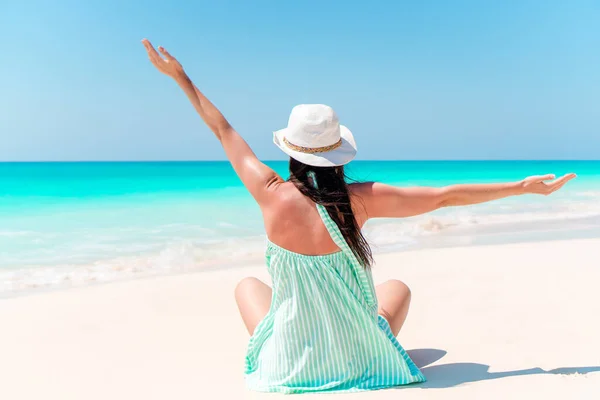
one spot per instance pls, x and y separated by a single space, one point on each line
253 299
393 297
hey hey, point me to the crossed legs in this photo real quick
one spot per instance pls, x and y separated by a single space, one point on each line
253 298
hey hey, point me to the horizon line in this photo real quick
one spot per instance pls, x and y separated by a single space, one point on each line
360 160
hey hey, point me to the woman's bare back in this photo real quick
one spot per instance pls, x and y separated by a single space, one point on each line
292 220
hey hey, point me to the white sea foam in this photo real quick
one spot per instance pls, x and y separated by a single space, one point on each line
175 258
17 233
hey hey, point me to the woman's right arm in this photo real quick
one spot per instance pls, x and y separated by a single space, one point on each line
256 176
385 201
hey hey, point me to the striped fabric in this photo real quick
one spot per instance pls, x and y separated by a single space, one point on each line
322 332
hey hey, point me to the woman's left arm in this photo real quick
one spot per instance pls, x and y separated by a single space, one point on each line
256 176
465 194
386 201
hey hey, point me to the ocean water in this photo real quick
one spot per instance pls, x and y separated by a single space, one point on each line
71 224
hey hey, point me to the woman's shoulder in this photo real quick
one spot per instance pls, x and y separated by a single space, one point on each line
361 195
361 189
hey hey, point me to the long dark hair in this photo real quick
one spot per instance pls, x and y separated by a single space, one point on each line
332 193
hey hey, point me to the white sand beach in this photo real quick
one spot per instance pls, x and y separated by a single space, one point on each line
515 321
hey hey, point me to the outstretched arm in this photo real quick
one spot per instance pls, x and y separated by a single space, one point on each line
256 176
385 201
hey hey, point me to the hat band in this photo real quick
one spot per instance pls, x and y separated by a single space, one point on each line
312 150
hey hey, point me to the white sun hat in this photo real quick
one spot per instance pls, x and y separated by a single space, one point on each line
315 137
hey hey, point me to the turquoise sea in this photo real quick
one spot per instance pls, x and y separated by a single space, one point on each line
71 224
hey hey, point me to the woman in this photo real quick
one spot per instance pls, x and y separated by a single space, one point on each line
324 326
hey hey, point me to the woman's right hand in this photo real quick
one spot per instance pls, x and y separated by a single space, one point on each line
537 184
168 65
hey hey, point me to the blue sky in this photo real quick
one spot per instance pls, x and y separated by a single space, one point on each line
413 80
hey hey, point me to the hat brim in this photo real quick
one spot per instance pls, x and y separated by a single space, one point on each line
340 156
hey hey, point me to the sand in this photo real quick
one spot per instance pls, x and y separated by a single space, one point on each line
513 321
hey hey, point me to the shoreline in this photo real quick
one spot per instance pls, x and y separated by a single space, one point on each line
437 242
485 322
131 268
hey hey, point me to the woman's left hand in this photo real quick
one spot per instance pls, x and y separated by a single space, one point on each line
536 184
167 65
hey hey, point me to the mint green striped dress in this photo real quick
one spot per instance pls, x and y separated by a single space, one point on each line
322 332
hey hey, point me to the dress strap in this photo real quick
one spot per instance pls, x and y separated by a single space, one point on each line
365 279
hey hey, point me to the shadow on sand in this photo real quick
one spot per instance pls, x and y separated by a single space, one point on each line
454 374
